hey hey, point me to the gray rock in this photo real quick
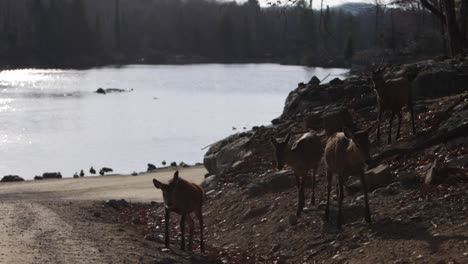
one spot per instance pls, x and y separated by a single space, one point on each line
279 181
459 162
112 90
225 153
136 220
314 81
439 82
255 212
254 190
377 177
105 170
52 175
11 178
336 81
183 165
151 167
154 238
335 119
101 91
210 183
117 204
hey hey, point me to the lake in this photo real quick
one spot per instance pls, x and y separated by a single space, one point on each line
51 120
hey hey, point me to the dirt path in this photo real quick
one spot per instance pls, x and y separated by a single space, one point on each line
53 221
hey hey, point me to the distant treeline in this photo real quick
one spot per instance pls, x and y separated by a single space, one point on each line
82 33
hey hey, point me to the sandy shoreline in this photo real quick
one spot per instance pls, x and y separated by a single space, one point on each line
56 221
133 188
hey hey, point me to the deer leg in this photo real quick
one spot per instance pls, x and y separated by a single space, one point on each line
399 124
166 220
312 201
390 128
182 232
300 196
366 201
329 182
199 215
190 224
340 200
378 125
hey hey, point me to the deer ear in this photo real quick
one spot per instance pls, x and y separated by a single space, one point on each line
157 184
176 175
348 132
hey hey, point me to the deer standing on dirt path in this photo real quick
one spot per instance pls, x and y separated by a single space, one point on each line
346 154
182 197
304 155
392 95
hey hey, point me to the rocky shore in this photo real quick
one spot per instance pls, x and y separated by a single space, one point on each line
418 184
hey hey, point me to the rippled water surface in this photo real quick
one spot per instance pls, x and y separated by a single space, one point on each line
51 120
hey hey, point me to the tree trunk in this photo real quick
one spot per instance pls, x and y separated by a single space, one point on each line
463 17
448 19
455 38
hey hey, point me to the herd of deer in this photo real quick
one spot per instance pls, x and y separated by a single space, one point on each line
346 153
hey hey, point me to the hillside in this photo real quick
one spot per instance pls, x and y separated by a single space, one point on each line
418 196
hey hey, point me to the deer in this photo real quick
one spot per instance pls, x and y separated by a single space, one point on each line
182 197
304 155
346 154
392 95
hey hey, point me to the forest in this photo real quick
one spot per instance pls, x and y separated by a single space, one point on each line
84 33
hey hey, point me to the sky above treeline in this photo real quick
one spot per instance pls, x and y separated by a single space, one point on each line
315 3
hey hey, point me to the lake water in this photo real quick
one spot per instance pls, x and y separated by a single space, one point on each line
51 120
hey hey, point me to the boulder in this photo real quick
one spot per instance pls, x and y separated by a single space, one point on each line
11 178
313 121
377 177
100 91
279 181
52 175
225 153
336 81
117 204
183 165
210 183
111 90
151 167
254 190
255 212
314 81
335 119
105 170
439 82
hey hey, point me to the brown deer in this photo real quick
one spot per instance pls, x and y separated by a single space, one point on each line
346 154
392 95
305 154
182 197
